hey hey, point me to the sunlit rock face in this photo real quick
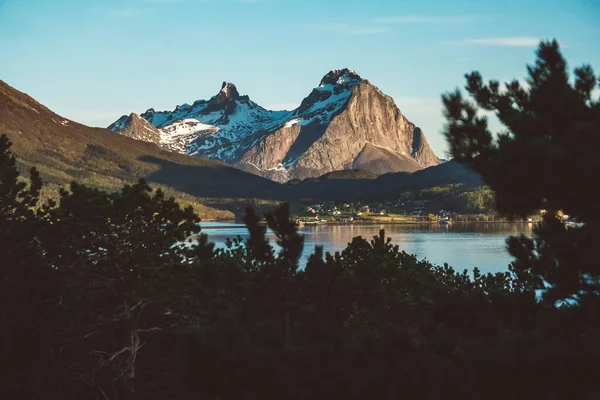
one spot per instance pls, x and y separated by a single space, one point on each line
344 123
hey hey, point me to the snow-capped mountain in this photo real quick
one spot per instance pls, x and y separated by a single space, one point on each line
344 123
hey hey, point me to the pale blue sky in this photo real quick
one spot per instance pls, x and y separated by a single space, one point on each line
92 61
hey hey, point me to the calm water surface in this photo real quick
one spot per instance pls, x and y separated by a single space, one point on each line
462 245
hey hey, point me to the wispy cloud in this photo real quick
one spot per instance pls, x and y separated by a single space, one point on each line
517 41
384 24
424 19
351 29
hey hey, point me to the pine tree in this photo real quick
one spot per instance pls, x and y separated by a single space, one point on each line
545 158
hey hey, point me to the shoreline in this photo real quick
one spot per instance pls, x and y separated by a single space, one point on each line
382 223
417 223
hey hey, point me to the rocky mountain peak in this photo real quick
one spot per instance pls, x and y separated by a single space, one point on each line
335 88
345 122
136 127
228 93
344 76
135 117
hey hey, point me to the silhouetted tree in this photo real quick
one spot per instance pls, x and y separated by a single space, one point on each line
257 244
27 284
118 296
544 159
113 251
291 244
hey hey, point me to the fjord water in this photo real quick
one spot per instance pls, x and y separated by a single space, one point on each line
461 245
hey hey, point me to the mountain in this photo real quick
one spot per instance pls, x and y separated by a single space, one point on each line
64 150
344 123
138 128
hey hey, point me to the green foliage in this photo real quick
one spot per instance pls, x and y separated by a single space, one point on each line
473 202
16 201
542 160
119 295
459 199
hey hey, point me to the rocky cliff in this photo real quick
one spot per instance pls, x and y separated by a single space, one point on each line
344 123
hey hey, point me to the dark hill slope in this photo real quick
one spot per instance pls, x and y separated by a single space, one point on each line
388 186
380 160
64 150
348 174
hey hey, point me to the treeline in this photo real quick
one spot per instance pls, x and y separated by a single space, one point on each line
102 296
458 198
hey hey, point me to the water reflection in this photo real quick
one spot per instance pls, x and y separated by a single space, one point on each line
462 245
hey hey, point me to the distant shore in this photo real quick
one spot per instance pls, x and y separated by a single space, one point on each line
367 222
416 223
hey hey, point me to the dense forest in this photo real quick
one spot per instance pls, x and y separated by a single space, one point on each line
120 295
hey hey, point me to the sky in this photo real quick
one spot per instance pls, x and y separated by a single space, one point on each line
93 61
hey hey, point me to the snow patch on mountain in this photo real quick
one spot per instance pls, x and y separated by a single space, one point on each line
291 122
187 126
228 126
178 135
119 124
325 108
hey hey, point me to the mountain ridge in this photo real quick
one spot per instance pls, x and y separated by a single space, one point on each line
66 151
324 134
